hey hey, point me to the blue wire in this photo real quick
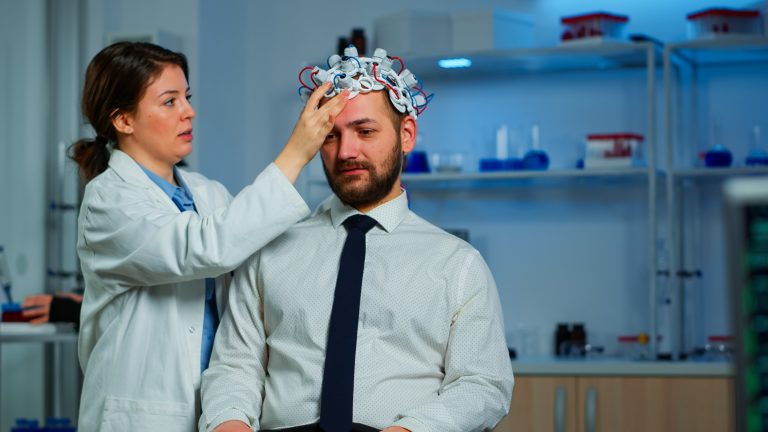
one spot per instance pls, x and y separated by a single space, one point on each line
359 66
303 87
335 83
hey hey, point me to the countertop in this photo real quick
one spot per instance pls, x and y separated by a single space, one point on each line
619 367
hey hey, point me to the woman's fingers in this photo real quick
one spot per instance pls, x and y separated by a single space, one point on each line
315 97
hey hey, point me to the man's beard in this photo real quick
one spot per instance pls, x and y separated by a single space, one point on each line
380 181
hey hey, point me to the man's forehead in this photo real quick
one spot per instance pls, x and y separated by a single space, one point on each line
369 105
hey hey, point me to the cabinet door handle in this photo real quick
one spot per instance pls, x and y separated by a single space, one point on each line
560 409
590 410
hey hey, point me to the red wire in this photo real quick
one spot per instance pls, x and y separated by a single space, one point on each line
384 82
302 72
402 65
312 75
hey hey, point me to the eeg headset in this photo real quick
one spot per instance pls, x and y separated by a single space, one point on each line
367 74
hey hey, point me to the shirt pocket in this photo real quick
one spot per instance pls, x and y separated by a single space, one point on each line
121 414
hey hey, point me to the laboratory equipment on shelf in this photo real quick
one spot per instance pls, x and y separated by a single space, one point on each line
571 340
446 162
719 22
758 155
5 277
562 335
11 311
502 160
535 158
593 27
634 347
718 155
612 150
52 424
416 162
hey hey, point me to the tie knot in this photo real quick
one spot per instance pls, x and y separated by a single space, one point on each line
360 222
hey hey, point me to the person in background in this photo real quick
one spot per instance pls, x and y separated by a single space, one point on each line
364 317
157 244
64 307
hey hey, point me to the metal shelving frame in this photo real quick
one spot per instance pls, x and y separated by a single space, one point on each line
691 56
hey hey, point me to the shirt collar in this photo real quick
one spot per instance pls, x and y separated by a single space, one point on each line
387 215
167 187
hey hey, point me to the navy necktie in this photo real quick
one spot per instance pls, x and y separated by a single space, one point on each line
339 372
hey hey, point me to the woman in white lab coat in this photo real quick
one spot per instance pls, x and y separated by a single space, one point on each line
157 244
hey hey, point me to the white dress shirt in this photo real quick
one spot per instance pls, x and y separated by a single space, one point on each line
431 354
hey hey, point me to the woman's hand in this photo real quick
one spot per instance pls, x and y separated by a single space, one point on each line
37 308
314 124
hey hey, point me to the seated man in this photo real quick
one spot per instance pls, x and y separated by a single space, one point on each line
332 329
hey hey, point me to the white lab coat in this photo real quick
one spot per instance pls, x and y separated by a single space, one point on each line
144 265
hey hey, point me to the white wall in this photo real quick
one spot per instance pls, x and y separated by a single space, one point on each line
23 144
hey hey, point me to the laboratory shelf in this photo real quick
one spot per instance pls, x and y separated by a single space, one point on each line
619 367
511 175
24 332
691 70
722 50
559 58
564 57
479 179
719 173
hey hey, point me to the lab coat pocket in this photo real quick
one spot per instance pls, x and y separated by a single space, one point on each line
122 414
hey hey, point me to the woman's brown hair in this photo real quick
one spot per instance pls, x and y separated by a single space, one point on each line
115 82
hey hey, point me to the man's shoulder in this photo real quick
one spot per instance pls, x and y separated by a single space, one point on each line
303 231
417 227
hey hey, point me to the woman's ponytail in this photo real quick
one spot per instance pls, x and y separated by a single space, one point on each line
92 155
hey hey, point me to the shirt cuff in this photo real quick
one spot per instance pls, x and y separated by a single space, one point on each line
226 415
412 424
291 194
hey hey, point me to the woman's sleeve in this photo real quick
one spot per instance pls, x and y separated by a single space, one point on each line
129 237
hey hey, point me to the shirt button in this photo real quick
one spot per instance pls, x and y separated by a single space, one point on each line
191 329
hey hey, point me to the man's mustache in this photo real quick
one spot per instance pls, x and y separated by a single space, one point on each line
348 165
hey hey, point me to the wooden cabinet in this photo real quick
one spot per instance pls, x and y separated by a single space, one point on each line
626 404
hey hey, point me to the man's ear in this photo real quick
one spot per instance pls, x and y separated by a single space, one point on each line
122 122
408 133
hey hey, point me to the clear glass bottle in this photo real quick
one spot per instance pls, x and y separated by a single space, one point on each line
758 154
536 158
5 278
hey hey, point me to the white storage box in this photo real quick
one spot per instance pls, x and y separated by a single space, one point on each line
593 27
413 33
490 29
612 150
718 22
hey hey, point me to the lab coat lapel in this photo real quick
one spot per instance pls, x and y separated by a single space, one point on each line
206 205
130 171
199 196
